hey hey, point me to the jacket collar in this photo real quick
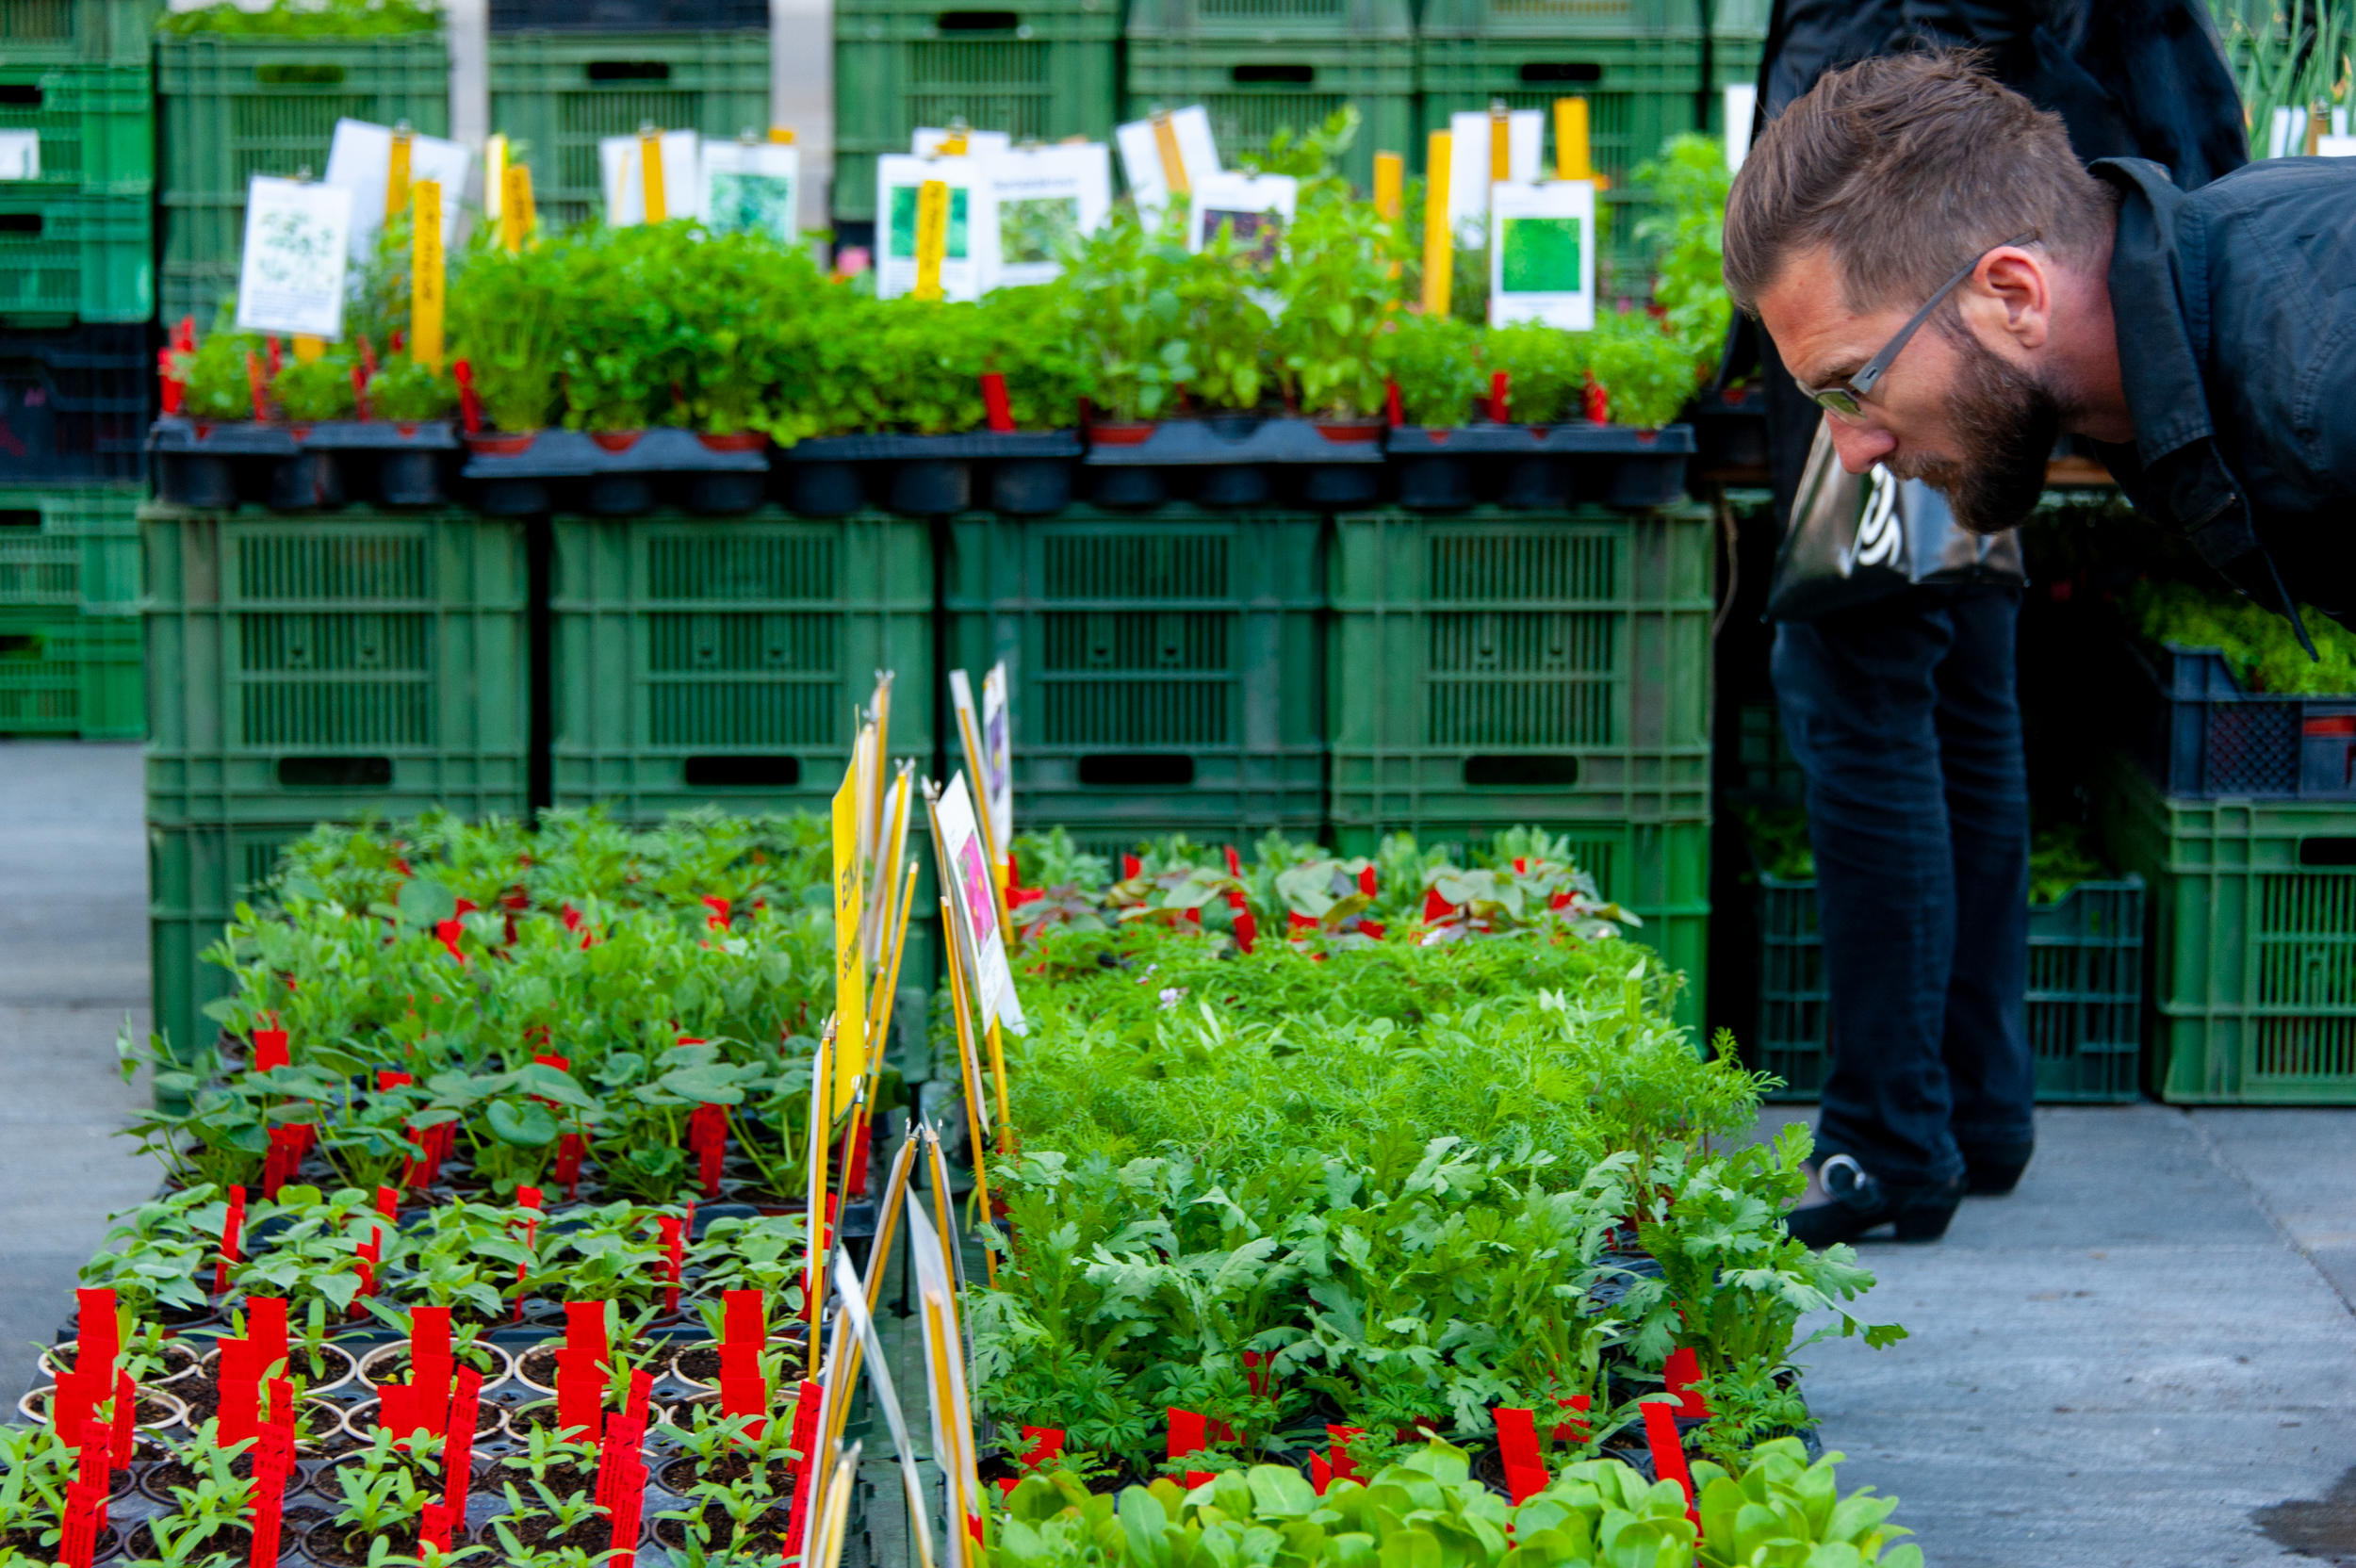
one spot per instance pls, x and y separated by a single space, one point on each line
2159 361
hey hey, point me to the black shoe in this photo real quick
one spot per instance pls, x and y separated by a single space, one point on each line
1993 1169
1861 1203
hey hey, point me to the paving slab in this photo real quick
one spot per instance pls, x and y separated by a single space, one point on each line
73 971
2130 1362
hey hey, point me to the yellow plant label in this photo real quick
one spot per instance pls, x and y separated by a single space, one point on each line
425 276
1501 143
650 175
516 215
1439 245
494 173
1173 162
782 135
932 236
850 958
1572 157
397 174
308 347
1390 184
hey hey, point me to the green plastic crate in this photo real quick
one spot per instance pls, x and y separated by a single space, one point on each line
68 674
1502 668
557 94
720 660
230 108
196 875
96 124
73 549
1764 759
1659 871
2084 995
76 32
1640 90
310 669
2253 942
1040 74
67 258
1250 91
1162 667
1583 19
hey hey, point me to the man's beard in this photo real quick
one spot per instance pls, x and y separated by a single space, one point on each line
2005 424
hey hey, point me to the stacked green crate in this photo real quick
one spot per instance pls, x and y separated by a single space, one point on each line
76 238
700 661
2253 942
301 670
234 107
1647 69
1041 72
556 95
1502 668
1163 669
1261 66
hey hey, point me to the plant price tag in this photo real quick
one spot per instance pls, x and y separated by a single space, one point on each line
621 169
360 160
752 188
850 967
997 758
1257 207
974 898
1541 255
899 179
1164 155
1034 203
20 155
1472 160
297 243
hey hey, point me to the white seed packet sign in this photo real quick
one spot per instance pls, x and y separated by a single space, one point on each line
1039 201
297 243
2287 136
1141 151
20 155
952 1408
360 160
1542 254
623 170
2335 147
975 899
898 178
1471 166
1258 207
928 140
1742 109
998 758
752 188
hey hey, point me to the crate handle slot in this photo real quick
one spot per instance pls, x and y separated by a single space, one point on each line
743 773
1561 71
1523 772
21 95
1146 769
20 645
2336 851
324 73
978 21
629 71
21 223
20 517
335 773
1293 76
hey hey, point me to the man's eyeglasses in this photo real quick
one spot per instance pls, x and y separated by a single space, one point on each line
1847 397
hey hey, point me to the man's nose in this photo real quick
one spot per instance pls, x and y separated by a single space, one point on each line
1860 447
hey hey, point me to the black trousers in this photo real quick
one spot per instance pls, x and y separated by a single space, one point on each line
1904 717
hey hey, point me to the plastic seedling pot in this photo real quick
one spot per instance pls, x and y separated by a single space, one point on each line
929 487
1535 483
307 483
1030 486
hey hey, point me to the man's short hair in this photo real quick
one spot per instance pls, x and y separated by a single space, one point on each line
1904 167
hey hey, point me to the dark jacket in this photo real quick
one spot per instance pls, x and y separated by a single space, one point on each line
2236 307
2130 79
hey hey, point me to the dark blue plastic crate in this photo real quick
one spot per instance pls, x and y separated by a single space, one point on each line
2204 736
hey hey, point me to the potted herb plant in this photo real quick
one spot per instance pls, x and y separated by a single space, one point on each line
1435 367
1336 281
503 330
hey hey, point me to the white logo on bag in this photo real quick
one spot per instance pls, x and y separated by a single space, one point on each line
1878 535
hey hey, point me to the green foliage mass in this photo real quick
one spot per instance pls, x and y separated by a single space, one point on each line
311 390
2258 645
300 18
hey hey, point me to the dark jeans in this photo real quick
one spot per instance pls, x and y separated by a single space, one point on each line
1905 718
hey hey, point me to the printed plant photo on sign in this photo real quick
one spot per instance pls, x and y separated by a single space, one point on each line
1035 229
974 877
752 188
1255 208
1541 255
903 239
298 235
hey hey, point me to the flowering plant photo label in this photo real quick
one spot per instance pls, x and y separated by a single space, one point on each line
298 244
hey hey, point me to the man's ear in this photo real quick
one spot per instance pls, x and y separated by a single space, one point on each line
2010 295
